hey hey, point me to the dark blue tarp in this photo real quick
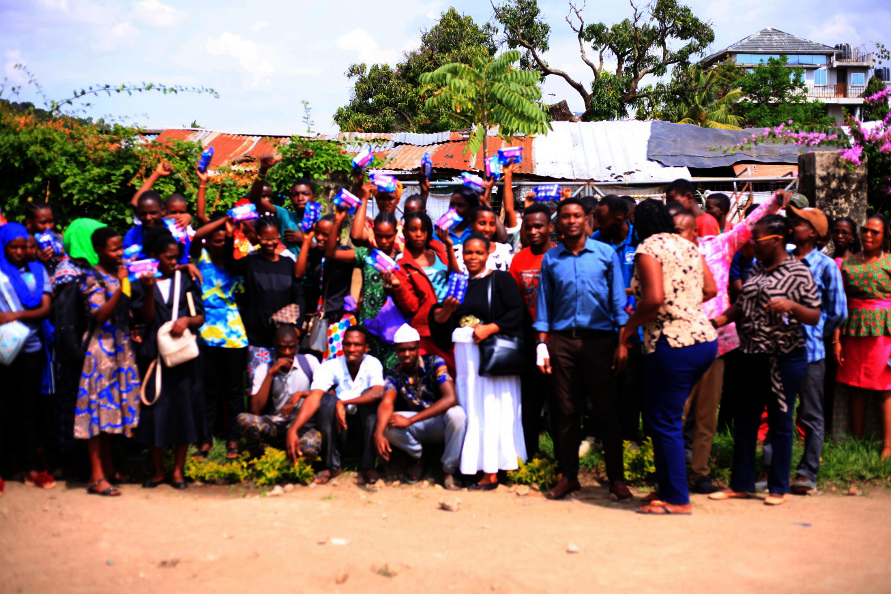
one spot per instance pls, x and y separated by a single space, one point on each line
686 145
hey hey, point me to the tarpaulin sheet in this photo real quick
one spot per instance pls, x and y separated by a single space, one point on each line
686 145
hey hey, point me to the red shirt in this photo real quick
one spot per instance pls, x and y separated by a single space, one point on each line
707 225
525 268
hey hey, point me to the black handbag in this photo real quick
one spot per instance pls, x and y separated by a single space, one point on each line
501 354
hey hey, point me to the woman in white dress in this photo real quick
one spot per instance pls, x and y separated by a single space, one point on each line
483 222
494 439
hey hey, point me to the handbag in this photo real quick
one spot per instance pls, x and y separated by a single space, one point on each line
12 334
173 351
318 326
501 354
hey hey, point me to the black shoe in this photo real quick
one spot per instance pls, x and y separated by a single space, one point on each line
483 487
178 485
151 484
704 485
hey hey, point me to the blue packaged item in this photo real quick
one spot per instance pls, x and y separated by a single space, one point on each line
311 214
427 165
132 252
180 235
548 192
362 159
243 213
384 183
508 155
473 182
493 168
381 262
205 159
136 269
630 305
347 201
457 286
48 239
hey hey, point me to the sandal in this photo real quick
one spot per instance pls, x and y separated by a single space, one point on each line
775 499
109 491
40 480
414 472
232 452
450 483
323 477
202 452
729 494
370 476
659 507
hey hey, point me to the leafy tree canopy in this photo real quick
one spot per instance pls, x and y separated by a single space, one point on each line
390 99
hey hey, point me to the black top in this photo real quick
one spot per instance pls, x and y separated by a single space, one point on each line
507 307
163 310
338 277
268 287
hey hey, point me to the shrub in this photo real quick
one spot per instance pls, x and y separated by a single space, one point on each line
274 467
537 471
270 469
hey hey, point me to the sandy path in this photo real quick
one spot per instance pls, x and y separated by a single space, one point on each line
212 539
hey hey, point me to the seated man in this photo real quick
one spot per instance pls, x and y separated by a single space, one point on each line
276 396
427 410
358 382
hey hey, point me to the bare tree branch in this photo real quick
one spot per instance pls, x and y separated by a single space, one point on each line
579 33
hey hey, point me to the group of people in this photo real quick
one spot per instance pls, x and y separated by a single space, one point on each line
594 314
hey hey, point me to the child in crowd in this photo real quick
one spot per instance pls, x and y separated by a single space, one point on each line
108 395
175 416
484 222
40 218
289 222
25 297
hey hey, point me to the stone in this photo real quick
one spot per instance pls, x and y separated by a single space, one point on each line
289 487
523 490
396 483
384 516
334 483
831 186
438 487
110 561
342 578
277 491
337 541
572 549
313 485
853 491
450 504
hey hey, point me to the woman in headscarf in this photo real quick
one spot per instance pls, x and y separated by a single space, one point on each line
25 298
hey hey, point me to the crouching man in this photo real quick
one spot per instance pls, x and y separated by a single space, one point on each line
420 408
276 396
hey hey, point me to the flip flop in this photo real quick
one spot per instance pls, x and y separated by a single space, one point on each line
43 480
414 472
652 508
323 477
232 452
729 494
775 499
109 491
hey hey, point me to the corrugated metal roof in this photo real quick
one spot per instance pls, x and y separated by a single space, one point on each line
411 138
600 151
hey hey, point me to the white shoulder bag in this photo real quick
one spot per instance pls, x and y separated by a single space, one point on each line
12 334
173 351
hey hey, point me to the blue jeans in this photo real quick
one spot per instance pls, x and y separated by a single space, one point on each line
448 428
670 375
756 388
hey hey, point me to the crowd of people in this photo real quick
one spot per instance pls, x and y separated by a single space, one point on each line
599 317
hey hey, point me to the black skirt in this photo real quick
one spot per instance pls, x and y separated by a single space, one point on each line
177 417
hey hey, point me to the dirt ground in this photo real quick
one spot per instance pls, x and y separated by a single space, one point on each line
346 538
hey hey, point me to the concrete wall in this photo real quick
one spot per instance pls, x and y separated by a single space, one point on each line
831 186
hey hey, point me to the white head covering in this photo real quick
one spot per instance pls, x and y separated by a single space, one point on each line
406 334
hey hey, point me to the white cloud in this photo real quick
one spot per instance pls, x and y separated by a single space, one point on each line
247 53
258 25
55 4
121 35
359 41
837 29
156 13
12 74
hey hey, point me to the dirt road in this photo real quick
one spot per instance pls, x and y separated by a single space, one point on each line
347 539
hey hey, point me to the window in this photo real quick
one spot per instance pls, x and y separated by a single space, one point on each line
820 77
857 79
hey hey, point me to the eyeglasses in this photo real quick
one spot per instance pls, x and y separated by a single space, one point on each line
874 232
759 240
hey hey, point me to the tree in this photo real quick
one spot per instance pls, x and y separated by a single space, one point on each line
707 106
654 39
491 92
775 94
879 109
390 99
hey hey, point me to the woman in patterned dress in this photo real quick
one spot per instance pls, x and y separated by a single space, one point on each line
671 280
863 348
108 394
778 297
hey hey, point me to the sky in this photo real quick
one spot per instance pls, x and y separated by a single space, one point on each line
263 58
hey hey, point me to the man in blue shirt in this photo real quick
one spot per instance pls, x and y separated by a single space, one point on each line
809 226
615 230
581 303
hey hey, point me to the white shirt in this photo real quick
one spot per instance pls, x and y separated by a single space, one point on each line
295 380
333 373
499 259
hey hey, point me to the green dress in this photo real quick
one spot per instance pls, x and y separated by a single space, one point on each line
373 299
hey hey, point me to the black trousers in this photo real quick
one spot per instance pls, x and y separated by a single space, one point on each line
631 393
536 390
224 369
583 368
356 439
19 397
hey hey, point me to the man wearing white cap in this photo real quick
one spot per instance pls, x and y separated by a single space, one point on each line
420 407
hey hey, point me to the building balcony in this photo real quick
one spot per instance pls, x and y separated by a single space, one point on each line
839 91
855 58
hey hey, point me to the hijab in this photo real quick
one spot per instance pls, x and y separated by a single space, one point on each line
29 298
77 240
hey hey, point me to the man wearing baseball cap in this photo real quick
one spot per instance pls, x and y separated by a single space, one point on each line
420 407
809 226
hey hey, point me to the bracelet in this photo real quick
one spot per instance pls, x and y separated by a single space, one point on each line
259 177
834 342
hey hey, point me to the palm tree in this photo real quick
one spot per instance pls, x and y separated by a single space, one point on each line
704 109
